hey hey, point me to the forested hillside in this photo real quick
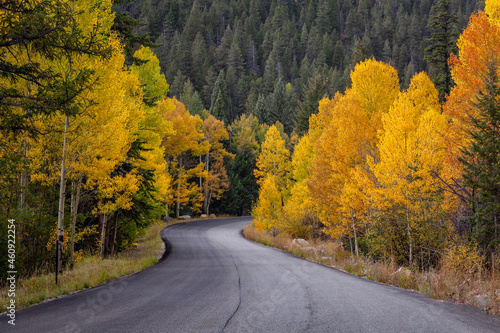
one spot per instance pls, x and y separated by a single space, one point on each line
313 45
276 59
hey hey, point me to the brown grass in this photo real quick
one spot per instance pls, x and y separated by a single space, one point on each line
90 271
481 289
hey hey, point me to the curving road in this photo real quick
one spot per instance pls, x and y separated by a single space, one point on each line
214 280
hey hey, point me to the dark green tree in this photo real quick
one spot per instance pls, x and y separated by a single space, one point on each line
261 110
125 27
314 92
220 106
328 15
279 109
193 24
235 78
442 25
360 52
243 188
177 84
481 162
191 99
199 54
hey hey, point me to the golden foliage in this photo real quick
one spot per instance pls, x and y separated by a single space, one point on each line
273 160
463 259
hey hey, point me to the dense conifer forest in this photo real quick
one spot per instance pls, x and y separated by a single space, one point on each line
311 45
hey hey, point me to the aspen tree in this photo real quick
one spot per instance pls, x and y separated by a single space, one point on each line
478 46
188 138
411 153
273 159
216 181
346 138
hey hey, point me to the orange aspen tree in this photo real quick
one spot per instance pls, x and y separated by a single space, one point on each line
188 138
216 181
478 46
349 137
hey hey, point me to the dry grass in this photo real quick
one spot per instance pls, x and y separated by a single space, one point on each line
89 272
480 290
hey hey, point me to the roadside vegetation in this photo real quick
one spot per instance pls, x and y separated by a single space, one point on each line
89 271
459 277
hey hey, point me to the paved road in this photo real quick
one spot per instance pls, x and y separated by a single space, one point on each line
216 281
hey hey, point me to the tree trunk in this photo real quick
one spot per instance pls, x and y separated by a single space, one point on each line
206 199
208 203
103 235
112 249
201 186
408 226
178 204
167 213
62 195
75 200
355 237
106 243
24 181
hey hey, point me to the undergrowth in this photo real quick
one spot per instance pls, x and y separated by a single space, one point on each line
88 272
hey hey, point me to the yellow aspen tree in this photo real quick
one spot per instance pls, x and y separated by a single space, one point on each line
348 138
94 20
411 159
247 134
154 127
299 216
268 211
272 176
154 84
110 129
100 136
273 159
492 9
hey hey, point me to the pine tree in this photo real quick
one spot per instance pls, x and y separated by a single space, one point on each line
125 27
314 92
279 109
442 24
220 106
191 99
482 164
261 110
199 54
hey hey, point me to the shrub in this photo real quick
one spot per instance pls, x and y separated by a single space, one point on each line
463 260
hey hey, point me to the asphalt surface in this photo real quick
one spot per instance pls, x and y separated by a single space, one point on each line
214 280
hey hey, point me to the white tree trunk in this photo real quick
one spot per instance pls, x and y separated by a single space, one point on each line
206 200
62 195
178 205
103 235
